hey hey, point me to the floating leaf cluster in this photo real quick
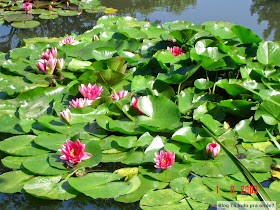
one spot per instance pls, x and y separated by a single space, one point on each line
21 16
225 80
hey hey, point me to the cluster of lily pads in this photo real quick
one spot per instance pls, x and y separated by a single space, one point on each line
183 111
21 13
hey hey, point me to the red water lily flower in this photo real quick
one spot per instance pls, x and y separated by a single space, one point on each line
74 152
175 50
213 149
164 159
90 92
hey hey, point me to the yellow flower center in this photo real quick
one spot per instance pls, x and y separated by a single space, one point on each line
163 161
72 153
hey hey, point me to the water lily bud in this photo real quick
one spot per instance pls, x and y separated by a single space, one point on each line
226 125
60 63
164 159
65 115
213 149
95 38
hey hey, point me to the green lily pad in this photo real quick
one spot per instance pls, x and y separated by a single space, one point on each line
166 175
13 181
26 24
13 161
48 16
21 146
161 114
51 187
18 17
40 165
68 13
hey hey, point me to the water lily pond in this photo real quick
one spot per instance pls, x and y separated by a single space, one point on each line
132 114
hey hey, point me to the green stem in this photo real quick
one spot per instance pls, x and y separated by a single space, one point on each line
261 95
273 139
69 175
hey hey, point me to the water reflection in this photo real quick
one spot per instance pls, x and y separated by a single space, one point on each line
10 37
268 10
259 15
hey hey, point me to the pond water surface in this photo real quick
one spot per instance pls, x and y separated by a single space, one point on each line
261 16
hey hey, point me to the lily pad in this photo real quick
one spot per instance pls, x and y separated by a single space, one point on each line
18 17
51 187
26 24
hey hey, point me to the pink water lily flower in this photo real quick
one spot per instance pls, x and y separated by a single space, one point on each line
50 53
175 50
65 115
213 149
134 104
67 40
121 94
164 159
90 92
26 6
74 152
80 102
42 65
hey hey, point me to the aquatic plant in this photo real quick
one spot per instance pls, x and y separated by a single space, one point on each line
223 88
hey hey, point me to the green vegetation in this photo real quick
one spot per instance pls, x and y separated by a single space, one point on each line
222 85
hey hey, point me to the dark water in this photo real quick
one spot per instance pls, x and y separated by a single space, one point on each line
261 16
